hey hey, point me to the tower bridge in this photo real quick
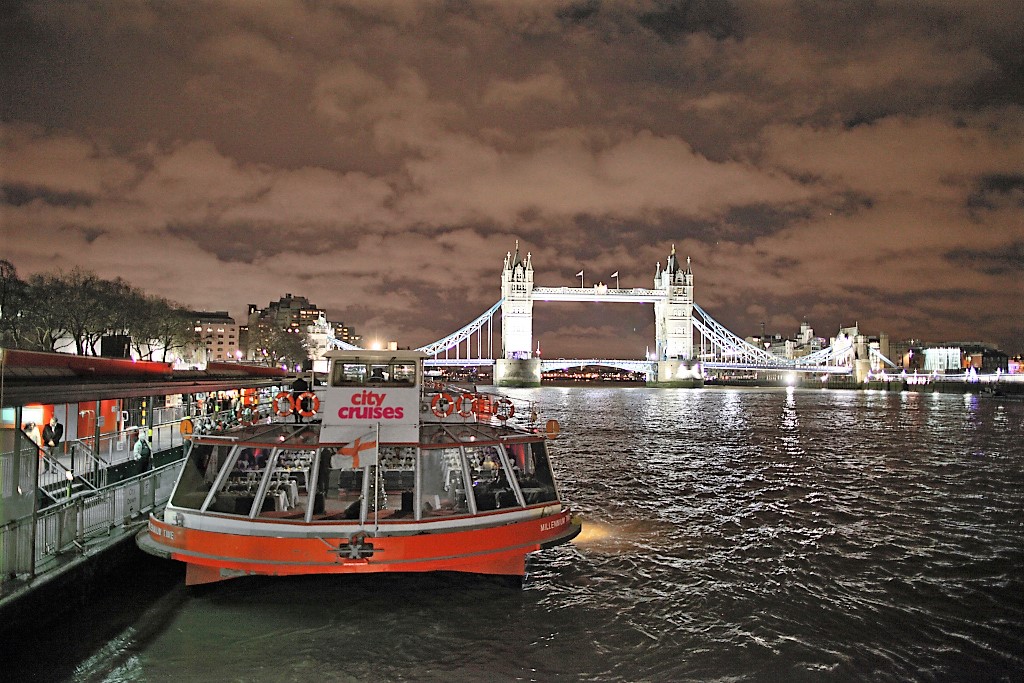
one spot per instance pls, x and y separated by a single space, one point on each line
688 341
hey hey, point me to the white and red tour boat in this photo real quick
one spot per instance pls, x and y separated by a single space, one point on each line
378 471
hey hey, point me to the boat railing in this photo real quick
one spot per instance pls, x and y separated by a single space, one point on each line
485 407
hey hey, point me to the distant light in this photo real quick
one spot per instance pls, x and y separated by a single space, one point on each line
375 345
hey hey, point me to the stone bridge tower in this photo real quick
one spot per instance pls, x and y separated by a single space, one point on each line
517 366
673 316
673 323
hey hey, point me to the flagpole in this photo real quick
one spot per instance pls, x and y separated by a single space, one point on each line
581 279
376 484
617 280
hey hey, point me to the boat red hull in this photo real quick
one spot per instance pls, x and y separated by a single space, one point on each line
216 555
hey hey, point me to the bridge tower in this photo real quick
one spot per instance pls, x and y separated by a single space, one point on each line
673 324
517 366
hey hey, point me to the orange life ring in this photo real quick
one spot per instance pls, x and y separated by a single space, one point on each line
314 402
465 405
287 397
505 409
442 405
483 406
244 414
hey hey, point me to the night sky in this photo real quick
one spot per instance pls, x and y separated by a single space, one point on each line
837 162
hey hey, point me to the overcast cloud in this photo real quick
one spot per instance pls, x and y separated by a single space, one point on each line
834 162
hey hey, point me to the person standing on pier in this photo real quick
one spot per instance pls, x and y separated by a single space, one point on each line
53 433
32 430
299 387
142 451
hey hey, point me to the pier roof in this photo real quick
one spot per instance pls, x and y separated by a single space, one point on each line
37 377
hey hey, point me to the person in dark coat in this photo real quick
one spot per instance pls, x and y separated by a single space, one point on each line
53 433
299 387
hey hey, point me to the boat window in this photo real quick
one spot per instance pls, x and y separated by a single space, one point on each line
287 493
197 476
403 373
348 374
239 489
533 471
241 486
442 486
340 481
491 484
387 374
397 468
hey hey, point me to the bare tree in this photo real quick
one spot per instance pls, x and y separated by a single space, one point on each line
44 312
12 299
159 324
276 346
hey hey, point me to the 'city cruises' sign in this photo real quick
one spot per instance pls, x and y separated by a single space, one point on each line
370 405
349 412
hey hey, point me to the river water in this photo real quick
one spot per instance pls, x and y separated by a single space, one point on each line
730 535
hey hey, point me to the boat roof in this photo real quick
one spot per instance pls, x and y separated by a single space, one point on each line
375 354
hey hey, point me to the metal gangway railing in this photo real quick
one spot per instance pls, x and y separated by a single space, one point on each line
34 544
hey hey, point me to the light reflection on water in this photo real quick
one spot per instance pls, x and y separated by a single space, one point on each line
730 534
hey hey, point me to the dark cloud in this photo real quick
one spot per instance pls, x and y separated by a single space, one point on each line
1005 260
20 195
672 20
996 191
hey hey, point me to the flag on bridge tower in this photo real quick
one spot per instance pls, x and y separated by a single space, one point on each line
615 274
579 274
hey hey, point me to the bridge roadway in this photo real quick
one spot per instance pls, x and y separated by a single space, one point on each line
598 293
646 366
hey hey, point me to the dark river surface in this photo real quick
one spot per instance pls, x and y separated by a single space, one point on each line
729 535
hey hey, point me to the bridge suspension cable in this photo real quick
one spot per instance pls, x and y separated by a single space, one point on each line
335 343
721 347
727 346
463 334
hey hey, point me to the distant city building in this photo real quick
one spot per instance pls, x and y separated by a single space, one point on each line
297 314
950 357
985 358
294 313
347 334
320 333
803 344
219 335
941 359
